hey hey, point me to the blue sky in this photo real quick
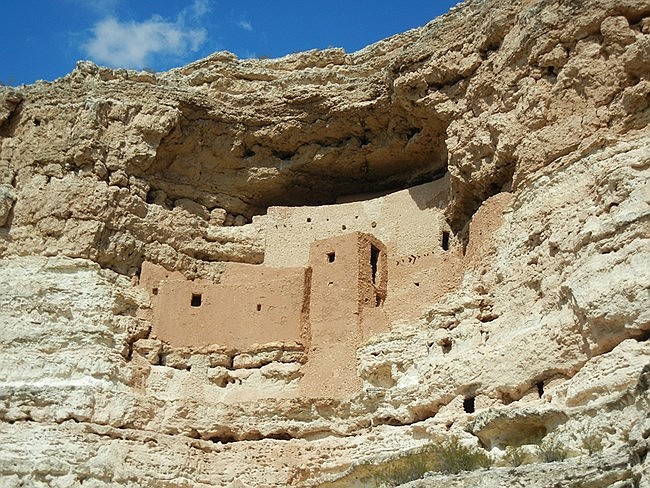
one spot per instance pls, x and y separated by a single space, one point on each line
43 39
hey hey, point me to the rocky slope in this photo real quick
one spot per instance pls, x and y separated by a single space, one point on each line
539 112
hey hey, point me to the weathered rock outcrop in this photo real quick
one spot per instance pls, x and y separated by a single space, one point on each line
539 112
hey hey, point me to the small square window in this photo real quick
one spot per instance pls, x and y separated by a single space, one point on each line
196 300
331 256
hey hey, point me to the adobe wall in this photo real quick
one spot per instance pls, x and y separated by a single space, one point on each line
152 274
406 221
343 288
342 277
418 280
485 222
252 305
409 222
352 287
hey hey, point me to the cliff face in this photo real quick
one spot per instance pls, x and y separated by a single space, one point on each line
537 110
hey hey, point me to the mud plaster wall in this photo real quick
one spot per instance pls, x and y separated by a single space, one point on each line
487 220
260 304
342 288
332 306
252 305
418 280
407 222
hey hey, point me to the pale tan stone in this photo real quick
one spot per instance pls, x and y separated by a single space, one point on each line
532 120
7 199
148 349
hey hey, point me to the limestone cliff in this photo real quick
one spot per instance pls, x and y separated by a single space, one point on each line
536 111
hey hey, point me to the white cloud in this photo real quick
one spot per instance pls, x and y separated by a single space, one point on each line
199 8
103 7
246 25
127 44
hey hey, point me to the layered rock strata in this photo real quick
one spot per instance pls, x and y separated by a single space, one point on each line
538 113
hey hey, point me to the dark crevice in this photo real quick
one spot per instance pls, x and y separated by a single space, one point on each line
222 439
228 437
284 155
488 318
412 132
8 127
633 14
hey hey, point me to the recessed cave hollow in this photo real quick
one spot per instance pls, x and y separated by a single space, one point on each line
246 173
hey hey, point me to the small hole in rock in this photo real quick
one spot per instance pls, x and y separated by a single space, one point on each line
445 241
196 300
540 388
331 257
468 405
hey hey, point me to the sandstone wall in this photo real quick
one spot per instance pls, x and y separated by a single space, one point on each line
537 110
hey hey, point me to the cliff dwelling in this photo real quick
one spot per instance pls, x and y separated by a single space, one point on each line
332 277
324 269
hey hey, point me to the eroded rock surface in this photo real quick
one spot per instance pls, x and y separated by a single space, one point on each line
537 110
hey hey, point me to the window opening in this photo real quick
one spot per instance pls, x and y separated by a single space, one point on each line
259 307
374 261
331 256
154 291
196 300
308 219
468 405
445 241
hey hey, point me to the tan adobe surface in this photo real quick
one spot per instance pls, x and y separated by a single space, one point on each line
252 305
330 307
407 222
349 287
342 288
